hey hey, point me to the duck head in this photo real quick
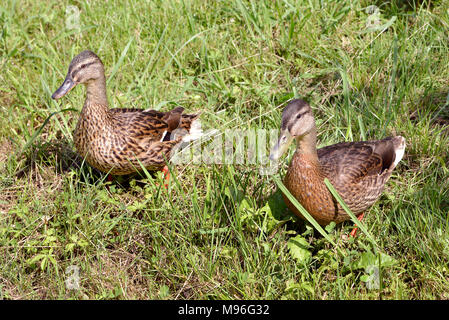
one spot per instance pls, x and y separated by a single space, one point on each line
86 67
297 122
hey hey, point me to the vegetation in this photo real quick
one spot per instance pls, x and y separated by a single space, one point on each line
222 231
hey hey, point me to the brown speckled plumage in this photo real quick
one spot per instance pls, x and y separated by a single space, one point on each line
357 170
120 141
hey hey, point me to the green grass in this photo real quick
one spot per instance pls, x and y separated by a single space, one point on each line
222 231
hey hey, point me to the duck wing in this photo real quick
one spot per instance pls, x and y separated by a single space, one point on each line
149 125
351 162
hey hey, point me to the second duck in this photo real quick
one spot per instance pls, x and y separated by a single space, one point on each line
357 170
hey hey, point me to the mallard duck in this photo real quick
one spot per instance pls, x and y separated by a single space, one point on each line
120 141
357 170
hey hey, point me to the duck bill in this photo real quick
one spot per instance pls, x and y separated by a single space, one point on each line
284 141
64 88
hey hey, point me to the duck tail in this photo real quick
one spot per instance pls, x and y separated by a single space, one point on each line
399 148
189 128
195 131
391 150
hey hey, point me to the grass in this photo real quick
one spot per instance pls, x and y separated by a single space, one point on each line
222 231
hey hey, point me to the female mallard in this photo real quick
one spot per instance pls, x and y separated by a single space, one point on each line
357 170
120 141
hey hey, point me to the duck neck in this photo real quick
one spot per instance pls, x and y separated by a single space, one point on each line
306 146
95 109
96 93
304 175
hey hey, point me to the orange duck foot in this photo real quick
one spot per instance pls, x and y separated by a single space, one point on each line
354 231
166 174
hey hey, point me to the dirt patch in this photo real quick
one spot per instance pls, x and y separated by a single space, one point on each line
6 148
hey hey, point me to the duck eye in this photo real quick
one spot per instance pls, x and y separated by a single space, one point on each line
298 116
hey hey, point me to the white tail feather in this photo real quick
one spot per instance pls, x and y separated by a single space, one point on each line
399 152
195 131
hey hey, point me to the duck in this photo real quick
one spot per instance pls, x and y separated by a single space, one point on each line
357 170
120 141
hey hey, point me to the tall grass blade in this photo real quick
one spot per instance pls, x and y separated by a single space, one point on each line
349 212
303 211
38 131
120 60
362 127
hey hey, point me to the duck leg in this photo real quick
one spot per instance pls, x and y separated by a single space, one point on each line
354 231
109 178
166 173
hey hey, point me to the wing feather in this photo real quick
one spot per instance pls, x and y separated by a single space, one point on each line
350 162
